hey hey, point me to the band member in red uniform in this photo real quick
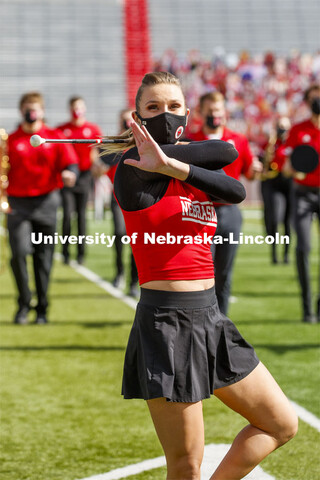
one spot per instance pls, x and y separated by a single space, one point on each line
306 198
276 188
77 196
213 113
181 348
35 177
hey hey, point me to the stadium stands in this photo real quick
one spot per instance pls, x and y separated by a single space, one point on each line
72 47
63 48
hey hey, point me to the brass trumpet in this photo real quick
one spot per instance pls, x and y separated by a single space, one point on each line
270 168
4 169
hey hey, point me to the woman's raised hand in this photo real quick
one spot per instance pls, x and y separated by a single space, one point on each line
152 158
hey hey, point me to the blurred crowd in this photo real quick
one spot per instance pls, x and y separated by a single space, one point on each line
258 88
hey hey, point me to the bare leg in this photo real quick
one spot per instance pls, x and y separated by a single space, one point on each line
179 427
272 419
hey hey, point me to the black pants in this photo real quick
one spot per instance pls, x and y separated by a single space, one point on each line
119 231
277 195
229 220
76 199
307 204
38 215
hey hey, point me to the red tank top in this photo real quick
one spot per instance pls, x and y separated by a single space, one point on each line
174 236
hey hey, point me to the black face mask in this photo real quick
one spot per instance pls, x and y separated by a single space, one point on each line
30 116
165 128
213 122
281 132
125 125
315 106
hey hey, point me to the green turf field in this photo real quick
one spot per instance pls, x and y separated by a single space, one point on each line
62 416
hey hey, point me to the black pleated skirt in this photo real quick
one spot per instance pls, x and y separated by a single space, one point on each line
182 347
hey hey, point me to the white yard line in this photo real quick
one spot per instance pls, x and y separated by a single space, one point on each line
213 454
306 416
129 470
106 286
255 213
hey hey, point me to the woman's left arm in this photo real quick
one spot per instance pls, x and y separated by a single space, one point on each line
217 184
209 154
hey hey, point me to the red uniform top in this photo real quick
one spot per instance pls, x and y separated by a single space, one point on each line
183 211
37 170
87 130
305 133
242 164
279 156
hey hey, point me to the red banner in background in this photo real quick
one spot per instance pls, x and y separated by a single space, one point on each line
137 45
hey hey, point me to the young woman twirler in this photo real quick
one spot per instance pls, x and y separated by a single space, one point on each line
181 349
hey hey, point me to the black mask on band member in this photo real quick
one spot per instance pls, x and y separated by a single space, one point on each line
281 132
165 128
30 116
213 122
315 106
125 125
